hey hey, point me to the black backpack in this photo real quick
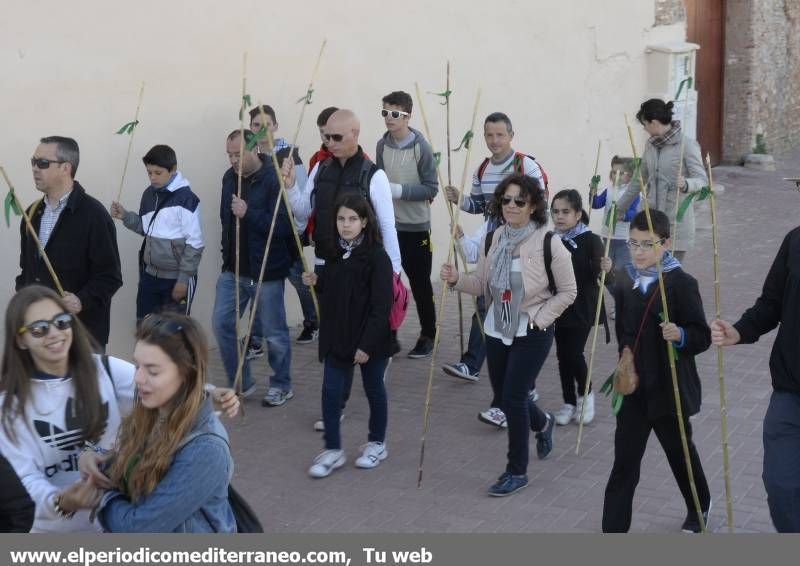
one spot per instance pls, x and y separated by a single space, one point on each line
548 257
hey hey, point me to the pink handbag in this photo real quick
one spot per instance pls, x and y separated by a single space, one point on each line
399 302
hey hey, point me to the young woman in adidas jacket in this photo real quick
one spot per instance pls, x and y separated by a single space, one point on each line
55 395
521 310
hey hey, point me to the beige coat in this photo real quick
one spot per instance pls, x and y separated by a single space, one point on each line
660 171
542 306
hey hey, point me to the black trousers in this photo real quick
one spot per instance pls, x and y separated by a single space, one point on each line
630 441
570 342
416 254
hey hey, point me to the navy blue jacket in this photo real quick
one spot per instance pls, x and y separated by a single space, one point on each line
260 191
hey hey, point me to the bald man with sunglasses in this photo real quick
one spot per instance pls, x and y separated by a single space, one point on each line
77 233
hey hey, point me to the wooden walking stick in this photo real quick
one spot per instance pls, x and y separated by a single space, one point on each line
723 409
446 95
594 183
285 196
245 102
611 217
438 159
12 203
670 348
306 100
688 82
437 334
130 129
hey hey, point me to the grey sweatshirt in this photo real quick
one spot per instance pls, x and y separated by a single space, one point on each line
413 167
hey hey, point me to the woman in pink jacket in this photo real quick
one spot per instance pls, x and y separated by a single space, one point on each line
522 305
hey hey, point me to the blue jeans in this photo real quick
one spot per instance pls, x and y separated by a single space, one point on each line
476 347
513 370
336 381
272 316
303 295
781 472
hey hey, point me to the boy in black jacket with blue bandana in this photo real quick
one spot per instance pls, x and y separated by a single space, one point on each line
651 406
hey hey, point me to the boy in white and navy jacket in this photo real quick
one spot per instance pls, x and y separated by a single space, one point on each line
169 220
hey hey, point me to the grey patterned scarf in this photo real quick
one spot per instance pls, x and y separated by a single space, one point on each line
502 257
673 132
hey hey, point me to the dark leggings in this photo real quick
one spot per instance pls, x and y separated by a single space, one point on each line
512 371
570 342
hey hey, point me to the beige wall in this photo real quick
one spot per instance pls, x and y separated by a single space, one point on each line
564 71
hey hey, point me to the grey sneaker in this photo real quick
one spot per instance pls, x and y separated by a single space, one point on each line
461 370
276 397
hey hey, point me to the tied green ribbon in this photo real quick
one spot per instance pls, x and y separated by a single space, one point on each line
10 205
702 194
446 95
465 141
688 82
616 398
437 158
128 128
246 103
611 219
306 97
595 181
255 138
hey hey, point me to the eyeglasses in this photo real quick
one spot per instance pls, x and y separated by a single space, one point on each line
393 113
519 201
42 163
40 328
643 245
333 137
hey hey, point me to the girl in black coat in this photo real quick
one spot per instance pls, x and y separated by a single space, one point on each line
355 292
573 326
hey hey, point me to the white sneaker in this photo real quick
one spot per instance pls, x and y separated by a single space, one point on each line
319 425
326 462
564 414
372 455
588 411
493 416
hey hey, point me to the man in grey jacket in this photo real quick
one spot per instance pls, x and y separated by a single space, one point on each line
407 158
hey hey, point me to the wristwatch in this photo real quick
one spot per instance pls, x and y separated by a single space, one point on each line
59 511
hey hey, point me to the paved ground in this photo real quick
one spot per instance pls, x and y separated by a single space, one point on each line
274 447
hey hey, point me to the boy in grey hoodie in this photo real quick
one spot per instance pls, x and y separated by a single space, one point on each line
407 158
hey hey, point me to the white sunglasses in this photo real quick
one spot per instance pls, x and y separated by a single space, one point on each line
393 113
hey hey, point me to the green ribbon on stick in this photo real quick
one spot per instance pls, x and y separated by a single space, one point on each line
702 194
616 398
10 206
128 128
465 141
246 103
306 97
446 95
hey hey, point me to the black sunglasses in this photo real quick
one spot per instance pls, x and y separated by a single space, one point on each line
163 326
42 163
335 137
40 328
519 201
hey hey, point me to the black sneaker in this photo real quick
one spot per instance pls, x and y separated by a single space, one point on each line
692 523
395 346
423 349
308 335
544 438
508 484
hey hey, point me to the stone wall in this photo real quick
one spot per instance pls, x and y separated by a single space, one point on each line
762 76
669 12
